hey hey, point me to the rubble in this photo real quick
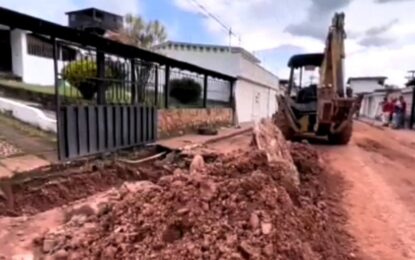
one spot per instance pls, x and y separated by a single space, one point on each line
265 203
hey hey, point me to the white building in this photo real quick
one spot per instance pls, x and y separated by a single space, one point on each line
255 89
366 84
29 57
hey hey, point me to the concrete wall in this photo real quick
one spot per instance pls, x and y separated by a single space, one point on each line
360 86
27 114
173 122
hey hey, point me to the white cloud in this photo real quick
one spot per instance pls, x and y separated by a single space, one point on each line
54 10
263 23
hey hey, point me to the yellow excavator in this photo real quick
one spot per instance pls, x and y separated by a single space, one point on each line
322 108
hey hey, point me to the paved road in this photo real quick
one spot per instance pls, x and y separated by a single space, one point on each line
379 168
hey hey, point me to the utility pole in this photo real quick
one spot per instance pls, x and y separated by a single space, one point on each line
411 83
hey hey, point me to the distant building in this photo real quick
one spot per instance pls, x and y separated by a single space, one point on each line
366 84
256 87
28 56
94 20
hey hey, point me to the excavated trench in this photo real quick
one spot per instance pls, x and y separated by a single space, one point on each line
45 188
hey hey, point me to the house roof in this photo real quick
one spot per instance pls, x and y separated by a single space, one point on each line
234 49
380 78
25 22
410 83
91 9
300 60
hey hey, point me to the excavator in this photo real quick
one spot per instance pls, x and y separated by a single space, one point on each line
322 109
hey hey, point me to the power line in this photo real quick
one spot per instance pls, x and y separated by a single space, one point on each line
214 17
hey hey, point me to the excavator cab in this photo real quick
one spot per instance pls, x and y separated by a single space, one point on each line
302 88
315 103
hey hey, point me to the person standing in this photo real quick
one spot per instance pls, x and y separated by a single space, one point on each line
402 111
386 111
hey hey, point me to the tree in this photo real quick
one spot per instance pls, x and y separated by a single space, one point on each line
143 34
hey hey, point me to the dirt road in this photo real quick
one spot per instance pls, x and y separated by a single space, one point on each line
379 169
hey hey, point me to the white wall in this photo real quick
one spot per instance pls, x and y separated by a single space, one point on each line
257 73
18 39
364 85
39 70
33 69
224 62
254 101
27 114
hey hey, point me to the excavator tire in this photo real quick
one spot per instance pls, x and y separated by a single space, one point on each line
281 120
342 137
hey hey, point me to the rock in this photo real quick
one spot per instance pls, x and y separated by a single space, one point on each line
268 250
254 220
231 239
178 171
305 141
109 252
48 245
235 256
183 211
249 250
266 228
2 194
352 255
61 254
197 165
170 158
20 233
207 190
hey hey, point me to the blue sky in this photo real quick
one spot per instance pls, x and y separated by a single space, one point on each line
181 25
381 35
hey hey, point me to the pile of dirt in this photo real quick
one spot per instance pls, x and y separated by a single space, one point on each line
237 207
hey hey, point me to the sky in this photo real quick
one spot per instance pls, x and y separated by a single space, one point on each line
380 33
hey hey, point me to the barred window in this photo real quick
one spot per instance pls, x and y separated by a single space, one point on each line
42 47
39 47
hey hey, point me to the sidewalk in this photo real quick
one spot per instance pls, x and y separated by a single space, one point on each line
194 140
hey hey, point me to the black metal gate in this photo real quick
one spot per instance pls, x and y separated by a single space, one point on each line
94 129
103 101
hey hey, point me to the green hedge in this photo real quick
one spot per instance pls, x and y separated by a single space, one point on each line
185 90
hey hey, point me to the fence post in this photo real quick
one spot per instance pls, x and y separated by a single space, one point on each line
167 87
57 97
133 83
232 101
205 87
412 121
100 77
156 86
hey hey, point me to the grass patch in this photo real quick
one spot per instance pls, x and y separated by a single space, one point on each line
65 90
25 129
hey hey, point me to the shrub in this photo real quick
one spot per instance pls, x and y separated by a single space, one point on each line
185 90
82 75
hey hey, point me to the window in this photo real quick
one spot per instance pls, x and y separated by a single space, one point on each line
39 47
72 17
99 16
42 47
68 54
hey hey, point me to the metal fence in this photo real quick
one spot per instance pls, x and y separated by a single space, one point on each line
107 93
108 101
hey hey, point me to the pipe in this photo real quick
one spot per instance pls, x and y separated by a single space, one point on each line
153 157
